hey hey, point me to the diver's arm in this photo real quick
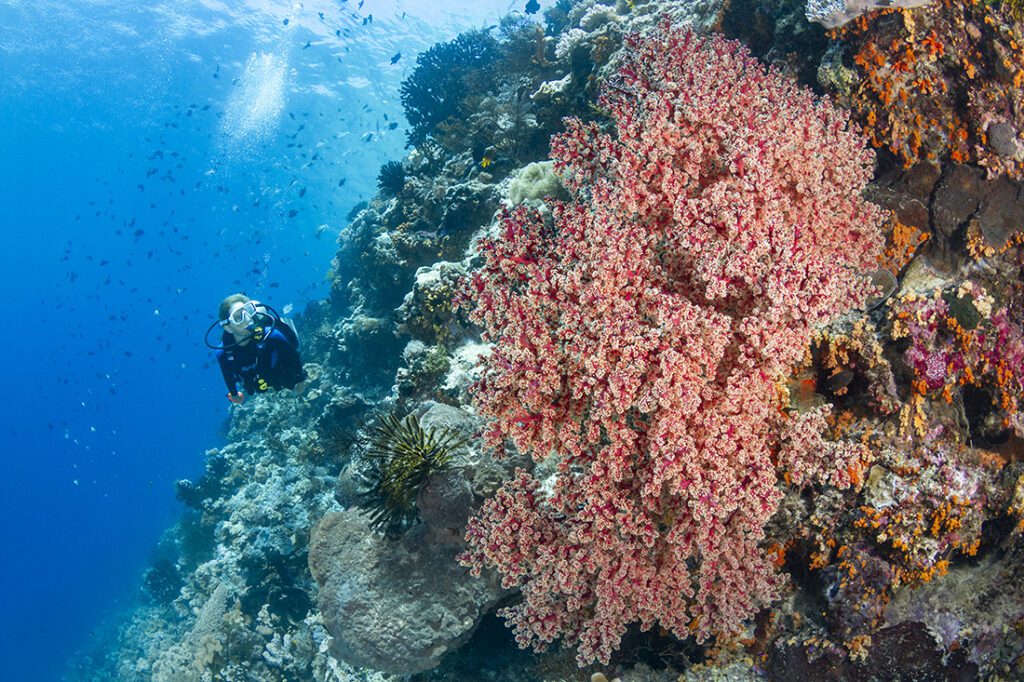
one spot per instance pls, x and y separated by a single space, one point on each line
234 395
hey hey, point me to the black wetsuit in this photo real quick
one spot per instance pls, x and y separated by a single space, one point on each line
272 362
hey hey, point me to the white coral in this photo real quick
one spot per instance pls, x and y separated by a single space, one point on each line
597 16
568 42
833 13
551 88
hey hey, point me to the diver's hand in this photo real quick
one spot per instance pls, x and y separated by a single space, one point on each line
236 398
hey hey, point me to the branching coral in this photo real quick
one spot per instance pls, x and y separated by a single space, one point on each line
639 335
445 75
502 131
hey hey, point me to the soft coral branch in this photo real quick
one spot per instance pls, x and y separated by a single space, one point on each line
639 332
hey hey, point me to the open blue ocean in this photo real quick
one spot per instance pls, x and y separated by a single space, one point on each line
154 158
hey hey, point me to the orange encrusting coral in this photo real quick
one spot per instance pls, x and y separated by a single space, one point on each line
933 81
902 243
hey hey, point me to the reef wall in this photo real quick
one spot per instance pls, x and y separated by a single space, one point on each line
322 543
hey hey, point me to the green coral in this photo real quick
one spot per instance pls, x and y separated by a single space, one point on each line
535 181
405 456
436 361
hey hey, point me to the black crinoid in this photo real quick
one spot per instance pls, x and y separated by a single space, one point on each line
404 456
391 179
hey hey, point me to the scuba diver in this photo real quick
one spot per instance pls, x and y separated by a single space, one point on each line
257 349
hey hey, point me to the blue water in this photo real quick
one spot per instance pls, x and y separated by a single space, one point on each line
155 157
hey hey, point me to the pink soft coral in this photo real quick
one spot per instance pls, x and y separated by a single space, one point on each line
639 335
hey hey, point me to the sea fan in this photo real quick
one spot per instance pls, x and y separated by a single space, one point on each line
444 75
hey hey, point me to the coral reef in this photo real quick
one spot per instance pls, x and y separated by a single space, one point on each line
235 599
846 492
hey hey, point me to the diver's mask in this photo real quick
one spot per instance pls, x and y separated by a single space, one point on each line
257 318
242 316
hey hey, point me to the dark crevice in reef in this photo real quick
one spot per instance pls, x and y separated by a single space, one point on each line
777 33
